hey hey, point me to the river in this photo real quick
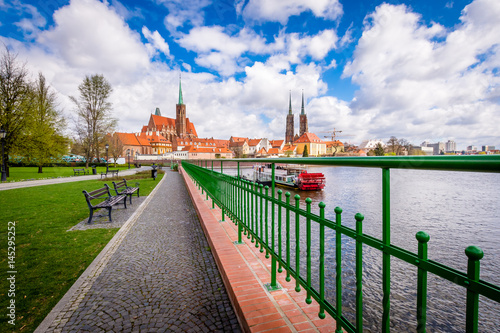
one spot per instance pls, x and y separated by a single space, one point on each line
457 209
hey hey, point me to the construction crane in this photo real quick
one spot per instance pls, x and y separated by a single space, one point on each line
333 134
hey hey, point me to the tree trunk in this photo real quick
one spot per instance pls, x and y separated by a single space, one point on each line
40 169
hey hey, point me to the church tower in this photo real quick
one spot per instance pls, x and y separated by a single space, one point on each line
180 115
303 119
289 123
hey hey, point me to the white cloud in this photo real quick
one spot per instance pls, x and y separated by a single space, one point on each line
31 25
156 41
88 35
224 53
414 76
281 10
184 12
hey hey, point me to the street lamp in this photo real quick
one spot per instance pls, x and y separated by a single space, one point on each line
3 133
107 147
128 158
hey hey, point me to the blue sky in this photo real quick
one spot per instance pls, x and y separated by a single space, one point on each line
420 70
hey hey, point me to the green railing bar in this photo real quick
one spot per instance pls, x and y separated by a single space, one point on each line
422 238
287 195
386 257
474 163
472 314
266 218
308 226
359 272
321 313
261 217
297 243
280 269
338 268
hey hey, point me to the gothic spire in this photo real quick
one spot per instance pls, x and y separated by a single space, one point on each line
290 108
302 111
180 92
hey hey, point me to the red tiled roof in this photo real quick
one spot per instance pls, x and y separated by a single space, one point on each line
254 142
237 144
274 151
128 139
161 121
215 150
308 138
276 143
289 147
334 143
238 139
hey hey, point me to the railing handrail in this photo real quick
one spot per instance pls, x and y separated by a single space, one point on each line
474 163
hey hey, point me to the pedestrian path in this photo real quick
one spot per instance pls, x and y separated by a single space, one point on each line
39 182
156 275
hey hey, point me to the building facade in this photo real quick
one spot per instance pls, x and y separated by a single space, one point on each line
171 128
303 128
289 135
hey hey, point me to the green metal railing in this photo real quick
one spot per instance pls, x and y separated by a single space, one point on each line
247 205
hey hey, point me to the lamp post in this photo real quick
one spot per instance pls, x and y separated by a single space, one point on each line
107 147
3 133
128 158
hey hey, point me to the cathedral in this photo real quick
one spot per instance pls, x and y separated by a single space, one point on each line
170 128
303 127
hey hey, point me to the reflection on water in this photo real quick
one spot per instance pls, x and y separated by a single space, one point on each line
457 209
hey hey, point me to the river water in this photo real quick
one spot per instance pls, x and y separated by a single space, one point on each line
457 209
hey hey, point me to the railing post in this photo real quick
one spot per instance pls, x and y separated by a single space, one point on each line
261 201
338 268
474 254
386 257
321 313
280 252
287 195
272 206
266 216
297 242
308 234
422 238
359 272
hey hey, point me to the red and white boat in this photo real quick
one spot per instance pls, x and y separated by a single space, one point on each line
290 177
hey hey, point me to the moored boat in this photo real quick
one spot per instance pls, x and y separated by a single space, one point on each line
290 177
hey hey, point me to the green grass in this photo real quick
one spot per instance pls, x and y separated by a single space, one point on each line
28 173
48 258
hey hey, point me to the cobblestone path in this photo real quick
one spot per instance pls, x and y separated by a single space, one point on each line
162 277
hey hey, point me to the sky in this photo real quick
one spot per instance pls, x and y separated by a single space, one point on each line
425 70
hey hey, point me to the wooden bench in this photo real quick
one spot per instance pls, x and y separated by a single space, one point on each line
79 171
108 200
121 188
114 173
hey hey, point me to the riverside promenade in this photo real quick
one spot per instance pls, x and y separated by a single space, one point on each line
174 267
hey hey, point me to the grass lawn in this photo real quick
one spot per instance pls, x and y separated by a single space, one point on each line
48 259
28 173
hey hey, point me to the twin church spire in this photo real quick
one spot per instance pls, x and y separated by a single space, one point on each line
303 126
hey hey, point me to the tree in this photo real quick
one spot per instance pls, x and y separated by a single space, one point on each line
42 138
404 145
16 99
393 145
115 146
94 118
379 150
305 153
